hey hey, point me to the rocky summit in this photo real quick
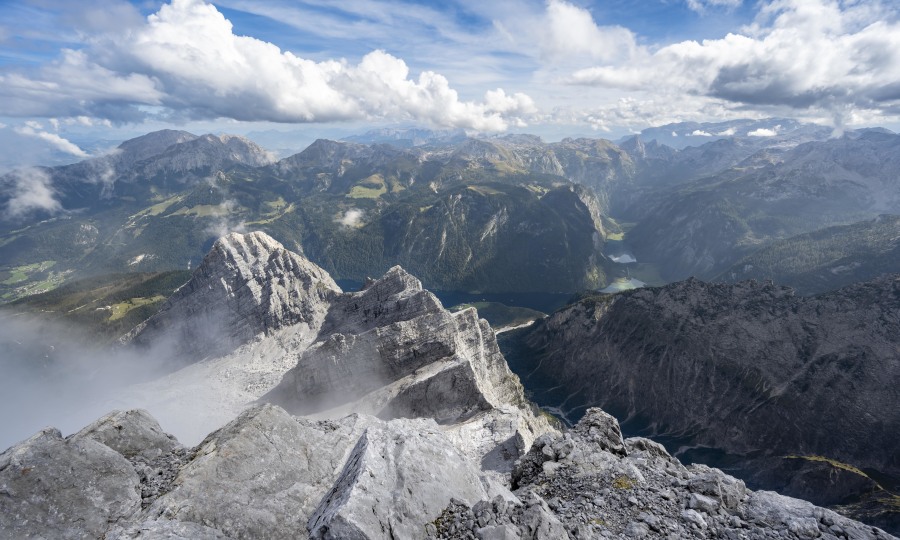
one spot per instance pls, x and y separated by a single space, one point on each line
363 415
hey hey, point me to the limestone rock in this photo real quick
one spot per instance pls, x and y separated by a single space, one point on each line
248 285
392 350
260 476
130 433
51 487
592 489
399 476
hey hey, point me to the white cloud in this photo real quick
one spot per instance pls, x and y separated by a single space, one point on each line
701 133
29 190
187 62
799 55
351 218
701 6
570 30
763 132
727 133
55 140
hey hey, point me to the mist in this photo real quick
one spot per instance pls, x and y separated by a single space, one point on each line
53 377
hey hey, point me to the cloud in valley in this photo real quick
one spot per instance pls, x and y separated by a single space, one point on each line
764 132
29 190
351 218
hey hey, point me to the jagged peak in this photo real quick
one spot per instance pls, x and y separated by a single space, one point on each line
247 285
250 247
395 281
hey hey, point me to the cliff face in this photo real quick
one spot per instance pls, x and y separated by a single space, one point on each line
414 418
748 369
248 285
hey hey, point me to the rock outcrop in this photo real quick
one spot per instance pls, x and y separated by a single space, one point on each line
268 474
248 285
748 369
416 418
589 483
393 351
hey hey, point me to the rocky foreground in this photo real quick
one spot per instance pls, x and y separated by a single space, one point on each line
414 427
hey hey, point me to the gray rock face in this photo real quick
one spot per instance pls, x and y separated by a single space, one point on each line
268 474
131 433
745 368
583 490
248 285
51 487
398 477
392 350
260 476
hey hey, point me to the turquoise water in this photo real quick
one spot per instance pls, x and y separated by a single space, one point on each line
540 301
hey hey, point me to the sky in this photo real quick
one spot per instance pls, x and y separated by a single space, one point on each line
73 73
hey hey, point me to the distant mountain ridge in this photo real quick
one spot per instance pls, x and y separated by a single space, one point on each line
826 259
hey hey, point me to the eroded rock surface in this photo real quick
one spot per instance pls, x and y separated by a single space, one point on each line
247 285
589 483
51 487
749 369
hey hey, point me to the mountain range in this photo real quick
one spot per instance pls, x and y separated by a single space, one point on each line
131 281
418 430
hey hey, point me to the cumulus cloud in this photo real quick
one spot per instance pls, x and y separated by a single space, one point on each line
798 54
29 190
185 61
570 30
61 144
764 132
701 133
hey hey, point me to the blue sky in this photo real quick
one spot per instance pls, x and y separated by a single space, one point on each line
553 67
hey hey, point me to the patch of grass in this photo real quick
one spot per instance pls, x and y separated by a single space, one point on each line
272 216
623 482
615 237
372 187
19 274
201 210
834 463
158 208
122 308
277 205
484 190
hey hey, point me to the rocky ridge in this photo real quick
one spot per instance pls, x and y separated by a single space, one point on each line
248 285
590 483
717 366
445 428
273 475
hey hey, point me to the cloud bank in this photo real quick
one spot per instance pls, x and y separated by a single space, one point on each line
186 63
798 55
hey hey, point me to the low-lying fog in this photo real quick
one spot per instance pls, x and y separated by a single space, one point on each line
49 378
